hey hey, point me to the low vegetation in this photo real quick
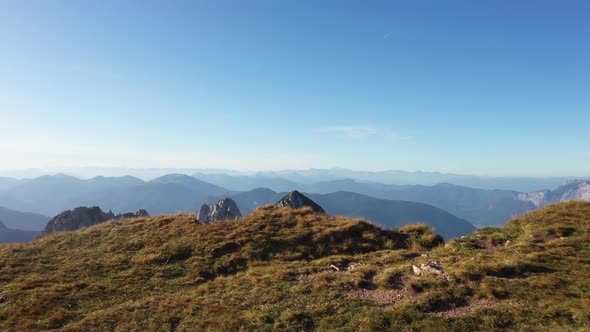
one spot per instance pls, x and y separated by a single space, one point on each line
280 269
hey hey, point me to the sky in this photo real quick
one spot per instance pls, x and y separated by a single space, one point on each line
470 87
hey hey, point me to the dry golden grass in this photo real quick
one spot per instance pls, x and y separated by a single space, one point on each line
271 271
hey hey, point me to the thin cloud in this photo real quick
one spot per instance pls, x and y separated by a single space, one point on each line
363 132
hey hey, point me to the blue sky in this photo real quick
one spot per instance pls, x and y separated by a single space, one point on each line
478 87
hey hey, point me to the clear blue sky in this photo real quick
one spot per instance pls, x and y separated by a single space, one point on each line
479 87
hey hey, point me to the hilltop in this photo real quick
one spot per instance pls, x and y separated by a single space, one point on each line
387 213
283 269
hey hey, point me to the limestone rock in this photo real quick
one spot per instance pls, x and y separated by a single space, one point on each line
296 200
430 267
222 210
81 217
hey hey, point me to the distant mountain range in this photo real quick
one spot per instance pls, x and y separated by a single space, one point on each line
23 220
8 235
50 195
482 207
386 213
284 180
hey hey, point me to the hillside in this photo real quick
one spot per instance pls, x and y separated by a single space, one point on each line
387 213
8 235
390 213
23 220
281 269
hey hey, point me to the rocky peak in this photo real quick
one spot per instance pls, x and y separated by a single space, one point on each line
139 214
296 200
224 209
83 216
577 190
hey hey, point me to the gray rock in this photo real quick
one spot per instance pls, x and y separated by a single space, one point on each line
223 210
81 217
430 267
139 214
296 200
204 215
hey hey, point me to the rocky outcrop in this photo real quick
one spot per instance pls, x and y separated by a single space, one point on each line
578 190
224 209
83 217
430 267
139 214
296 200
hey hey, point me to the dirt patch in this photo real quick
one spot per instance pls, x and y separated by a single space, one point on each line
472 304
385 296
380 296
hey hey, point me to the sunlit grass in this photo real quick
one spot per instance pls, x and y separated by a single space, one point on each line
271 271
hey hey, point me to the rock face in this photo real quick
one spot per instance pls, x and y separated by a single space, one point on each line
83 217
296 200
139 214
222 210
578 190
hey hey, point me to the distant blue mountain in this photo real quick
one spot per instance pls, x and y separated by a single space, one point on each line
388 213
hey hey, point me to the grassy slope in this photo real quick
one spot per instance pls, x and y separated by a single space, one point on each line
270 271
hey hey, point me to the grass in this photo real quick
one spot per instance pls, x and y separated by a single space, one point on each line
271 271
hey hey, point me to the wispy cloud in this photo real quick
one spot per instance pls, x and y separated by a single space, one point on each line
363 132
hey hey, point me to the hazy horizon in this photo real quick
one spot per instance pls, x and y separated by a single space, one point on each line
151 173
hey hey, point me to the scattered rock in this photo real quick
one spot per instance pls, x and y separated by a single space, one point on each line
223 210
417 270
301 278
81 217
430 267
507 243
296 200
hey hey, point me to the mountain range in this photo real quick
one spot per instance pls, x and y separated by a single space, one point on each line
284 179
8 235
50 195
387 213
23 220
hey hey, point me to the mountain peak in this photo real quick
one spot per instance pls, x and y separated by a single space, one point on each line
225 209
296 200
